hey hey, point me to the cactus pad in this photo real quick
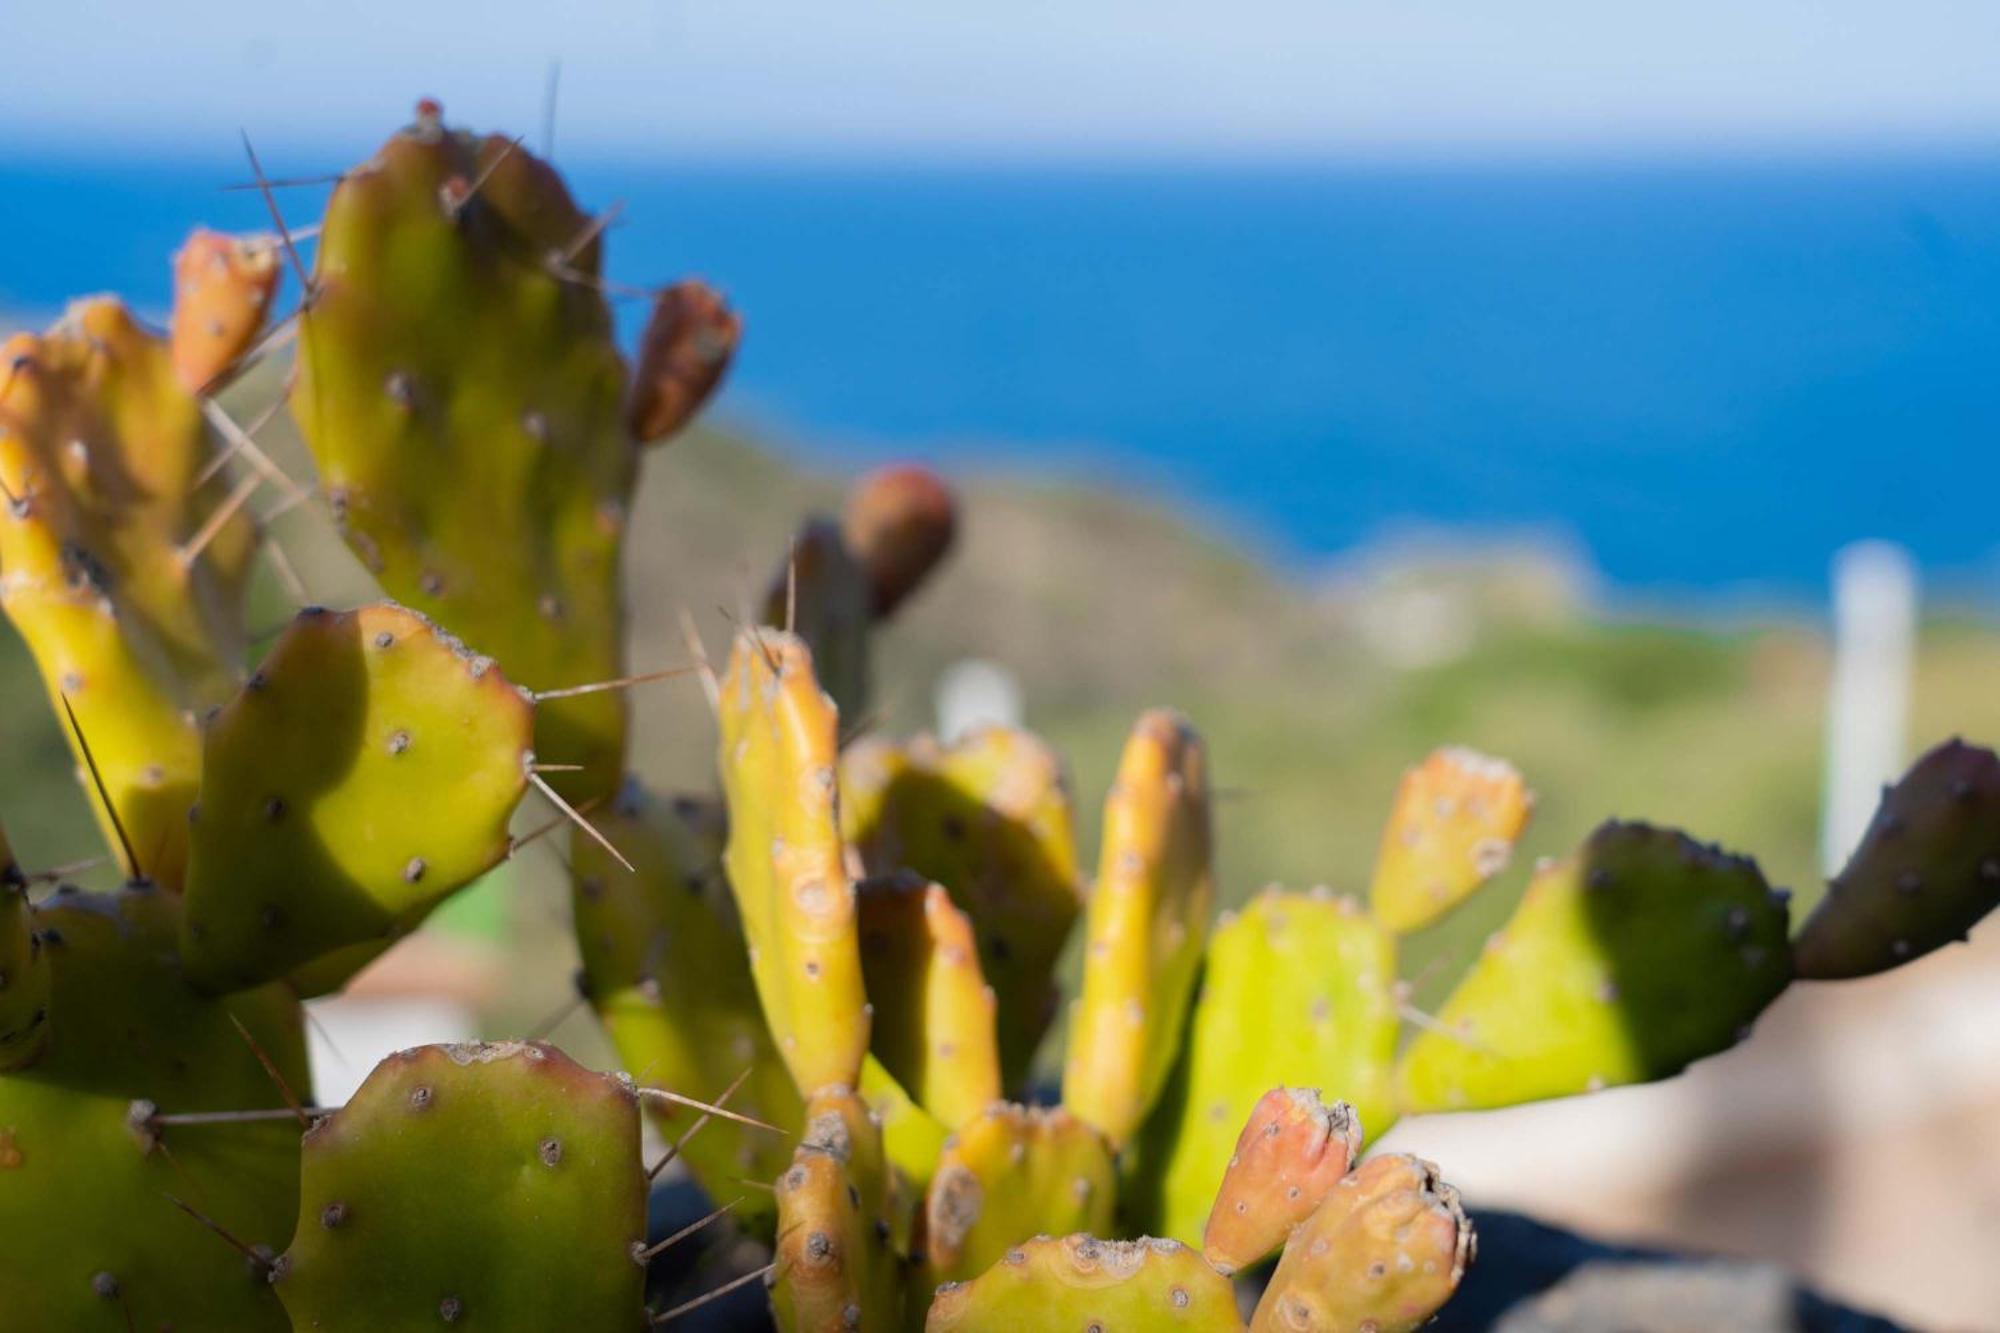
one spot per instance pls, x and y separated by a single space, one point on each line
366 771
459 387
1383 1252
786 863
899 523
1628 960
1295 993
663 965
1293 1149
124 567
836 1270
1080 1282
820 593
1147 918
87 1165
24 971
223 287
991 819
686 348
1927 870
933 1027
1008 1174
1457 817
495 1185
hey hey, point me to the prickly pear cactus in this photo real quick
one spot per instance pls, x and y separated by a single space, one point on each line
1296 991
139 1101
820 593
912 1136
1080 1282
366 771
1454 826
934 1013
786 863
688 344
1293 1149
124 564
495 1186
990 817
223 287
899 522
1009 1174
836 1269
1383 1252
1147 919
1927 870
459 387
24 971
663 965
1628 960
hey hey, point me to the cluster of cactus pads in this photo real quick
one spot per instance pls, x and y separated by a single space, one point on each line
835 979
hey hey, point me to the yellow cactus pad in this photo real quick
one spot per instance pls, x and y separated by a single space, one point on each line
223 287
835 1270
1080 1282
1009 1174
787 866
366 771
990 817
1147 920
1456 819
933 1026
122 568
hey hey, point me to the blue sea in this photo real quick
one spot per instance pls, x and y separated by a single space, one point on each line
1707 376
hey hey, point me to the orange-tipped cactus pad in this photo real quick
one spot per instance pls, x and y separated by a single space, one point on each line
687 346
1293 1149
899 522
459 386
1383 1252
366 772
1147 921
223 287
934 1013
786 863
122 563
1457 817
1080 1282
1926 872
1007 1175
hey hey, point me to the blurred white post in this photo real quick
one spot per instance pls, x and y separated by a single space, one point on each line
975 693
1874 630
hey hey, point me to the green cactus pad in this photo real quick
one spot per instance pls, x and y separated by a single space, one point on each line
1293 1149
1008 1174
990 817
911 1136
1143 937
460 388
836 1268
787 865
1296 992
24 971
1926 872
1080 1282
664 967
1383 1252
125 564
934 1013
86 1165
498 1187
821 593
366 772
1626 961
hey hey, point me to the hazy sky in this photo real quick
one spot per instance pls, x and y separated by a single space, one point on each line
1016 77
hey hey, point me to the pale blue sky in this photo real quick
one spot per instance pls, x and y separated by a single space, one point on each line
1018 77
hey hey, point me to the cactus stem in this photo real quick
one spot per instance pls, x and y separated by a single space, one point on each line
688 1307
541 785
645 1256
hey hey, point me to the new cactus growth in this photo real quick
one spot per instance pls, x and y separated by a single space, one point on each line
1382 1253
786 863
366 771
836 1269
125 563
1927 870
1296 991
989 817
1080 1282
499 1186
1455 822
1293 1149
1147 920
1628 960
663 965
223 287
688 344
933 1027
1009 1174
899 522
